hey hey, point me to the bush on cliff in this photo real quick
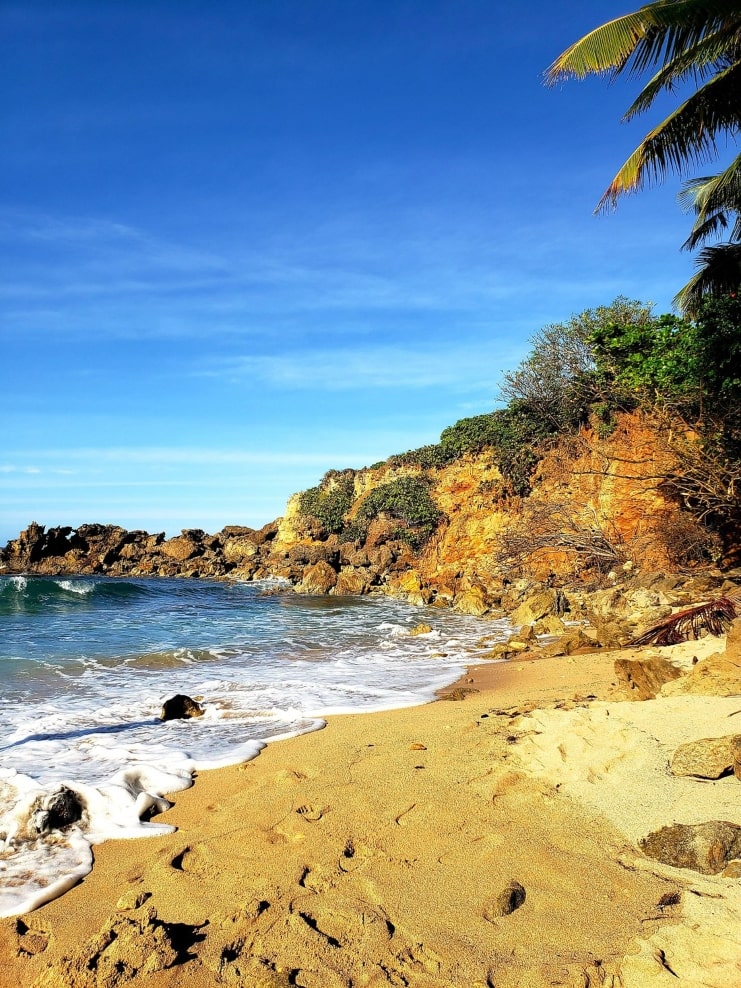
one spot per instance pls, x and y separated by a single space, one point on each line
426 457
692 367
330 500
562 377
408 500
470 435
510 433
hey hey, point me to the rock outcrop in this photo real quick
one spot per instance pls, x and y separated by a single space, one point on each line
483 549
646 674
706 758
112 551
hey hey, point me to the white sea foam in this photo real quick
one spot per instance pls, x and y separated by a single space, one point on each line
76 586
85 681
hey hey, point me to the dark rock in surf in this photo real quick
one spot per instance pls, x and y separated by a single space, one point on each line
180 707
58 811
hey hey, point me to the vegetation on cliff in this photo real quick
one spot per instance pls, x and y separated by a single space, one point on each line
578 379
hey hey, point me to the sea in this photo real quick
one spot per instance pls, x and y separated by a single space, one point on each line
87 662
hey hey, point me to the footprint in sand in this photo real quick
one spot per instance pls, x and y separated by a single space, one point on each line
289 776
314 879
420 958
311 813
354 855
191 860
345 923
33 937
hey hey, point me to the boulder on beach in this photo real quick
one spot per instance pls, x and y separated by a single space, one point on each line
706 758
704 847
646 675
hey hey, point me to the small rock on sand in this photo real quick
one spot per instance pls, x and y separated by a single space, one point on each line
706 758
704 847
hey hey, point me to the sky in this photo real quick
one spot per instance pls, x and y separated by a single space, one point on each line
246 241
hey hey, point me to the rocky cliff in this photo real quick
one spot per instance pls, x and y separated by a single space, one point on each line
598 512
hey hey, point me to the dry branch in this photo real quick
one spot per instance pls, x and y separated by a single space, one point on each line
714 617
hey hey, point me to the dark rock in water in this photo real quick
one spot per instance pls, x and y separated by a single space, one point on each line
509 899
703 847
180 707
60 810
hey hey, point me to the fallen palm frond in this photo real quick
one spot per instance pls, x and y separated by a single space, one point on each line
714 617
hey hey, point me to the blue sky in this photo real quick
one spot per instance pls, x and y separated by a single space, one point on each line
244 242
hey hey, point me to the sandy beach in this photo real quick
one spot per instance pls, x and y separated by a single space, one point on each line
488 840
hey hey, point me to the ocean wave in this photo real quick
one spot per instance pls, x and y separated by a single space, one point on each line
75 586
33 593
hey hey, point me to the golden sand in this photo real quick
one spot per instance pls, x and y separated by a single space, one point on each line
378 851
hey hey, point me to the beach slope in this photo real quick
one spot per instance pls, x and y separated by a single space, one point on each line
489 840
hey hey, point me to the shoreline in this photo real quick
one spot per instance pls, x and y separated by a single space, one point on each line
371 852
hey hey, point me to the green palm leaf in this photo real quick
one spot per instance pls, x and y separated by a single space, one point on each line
719 274
656 33
714 199
713 54
687 136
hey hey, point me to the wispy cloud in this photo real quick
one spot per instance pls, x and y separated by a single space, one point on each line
10 468
469 364
83 276
166 456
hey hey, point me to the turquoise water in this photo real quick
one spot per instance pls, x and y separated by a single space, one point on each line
87 662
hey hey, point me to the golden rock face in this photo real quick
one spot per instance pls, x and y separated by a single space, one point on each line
596 505
596 502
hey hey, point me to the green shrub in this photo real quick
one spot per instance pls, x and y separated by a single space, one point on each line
470 435
695 367
330 501
426 457
407 499
517 432
558 379
603 418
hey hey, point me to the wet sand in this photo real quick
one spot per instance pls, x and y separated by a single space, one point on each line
388 849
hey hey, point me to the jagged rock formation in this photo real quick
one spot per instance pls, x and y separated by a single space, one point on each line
112 551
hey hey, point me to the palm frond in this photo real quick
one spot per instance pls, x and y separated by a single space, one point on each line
686 137
719 274
709 193
713 54
655 34
715 617
711 226
714 199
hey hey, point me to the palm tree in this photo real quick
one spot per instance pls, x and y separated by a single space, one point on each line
688 41
714 200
